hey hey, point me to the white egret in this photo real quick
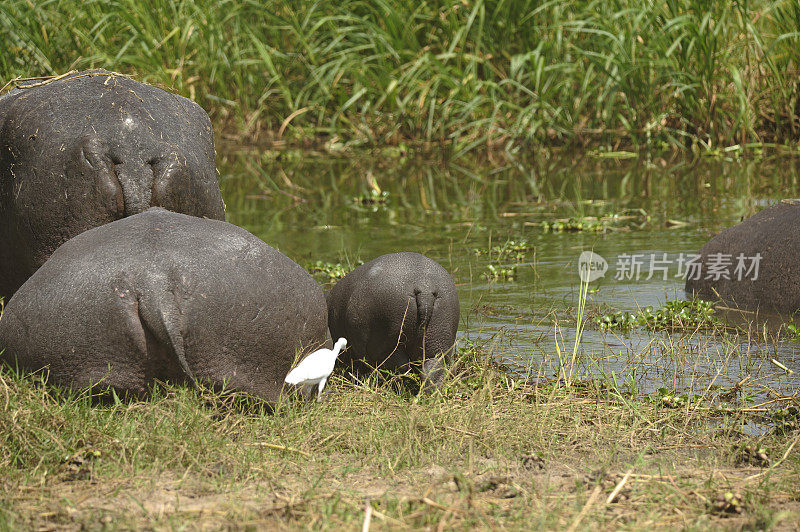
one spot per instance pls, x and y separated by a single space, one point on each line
316 368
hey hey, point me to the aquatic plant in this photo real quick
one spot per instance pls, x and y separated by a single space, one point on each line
591 224
671 399
586 224
786 419
509 250
500 273
372 198
620 320
674 314
682 73
329 272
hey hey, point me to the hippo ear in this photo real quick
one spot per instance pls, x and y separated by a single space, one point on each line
177 186
92 161
171 182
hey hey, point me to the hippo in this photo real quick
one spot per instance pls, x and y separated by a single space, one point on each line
753 265
89 148
399 310
167 296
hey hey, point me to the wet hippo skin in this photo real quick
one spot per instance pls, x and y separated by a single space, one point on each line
397 309
764 256
161 295
91 148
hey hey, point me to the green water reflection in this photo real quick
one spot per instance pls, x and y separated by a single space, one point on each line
311 207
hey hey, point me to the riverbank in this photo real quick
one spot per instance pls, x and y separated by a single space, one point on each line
469 75
488 452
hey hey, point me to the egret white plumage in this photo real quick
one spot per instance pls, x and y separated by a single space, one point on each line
316 368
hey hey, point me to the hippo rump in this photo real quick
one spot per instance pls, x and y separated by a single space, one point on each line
161 295
89 148
759 259
396 311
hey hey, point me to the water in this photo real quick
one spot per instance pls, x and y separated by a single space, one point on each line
309 206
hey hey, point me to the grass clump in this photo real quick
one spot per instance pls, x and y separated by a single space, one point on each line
698 74
488 451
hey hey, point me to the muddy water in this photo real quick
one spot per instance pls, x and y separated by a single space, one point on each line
310 206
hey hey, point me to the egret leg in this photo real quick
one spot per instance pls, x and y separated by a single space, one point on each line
319 390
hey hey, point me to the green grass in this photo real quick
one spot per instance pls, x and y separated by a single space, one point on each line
488 452
699 74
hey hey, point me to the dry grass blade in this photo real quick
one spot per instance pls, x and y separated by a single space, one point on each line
619 486
592 498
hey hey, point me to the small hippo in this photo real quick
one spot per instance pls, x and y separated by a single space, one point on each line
397 310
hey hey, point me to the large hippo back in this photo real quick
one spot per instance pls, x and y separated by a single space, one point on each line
90 148
758 259
161 295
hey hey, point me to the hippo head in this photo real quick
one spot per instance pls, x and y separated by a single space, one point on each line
434 370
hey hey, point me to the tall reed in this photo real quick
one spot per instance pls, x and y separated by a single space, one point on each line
467 73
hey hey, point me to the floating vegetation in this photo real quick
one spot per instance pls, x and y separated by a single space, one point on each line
670 399
675 314
510 250
619 320
586 224
785 419
500 273
592 224
329 272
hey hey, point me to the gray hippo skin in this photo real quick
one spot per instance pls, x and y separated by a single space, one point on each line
397 309
91 148
161 295
774 233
